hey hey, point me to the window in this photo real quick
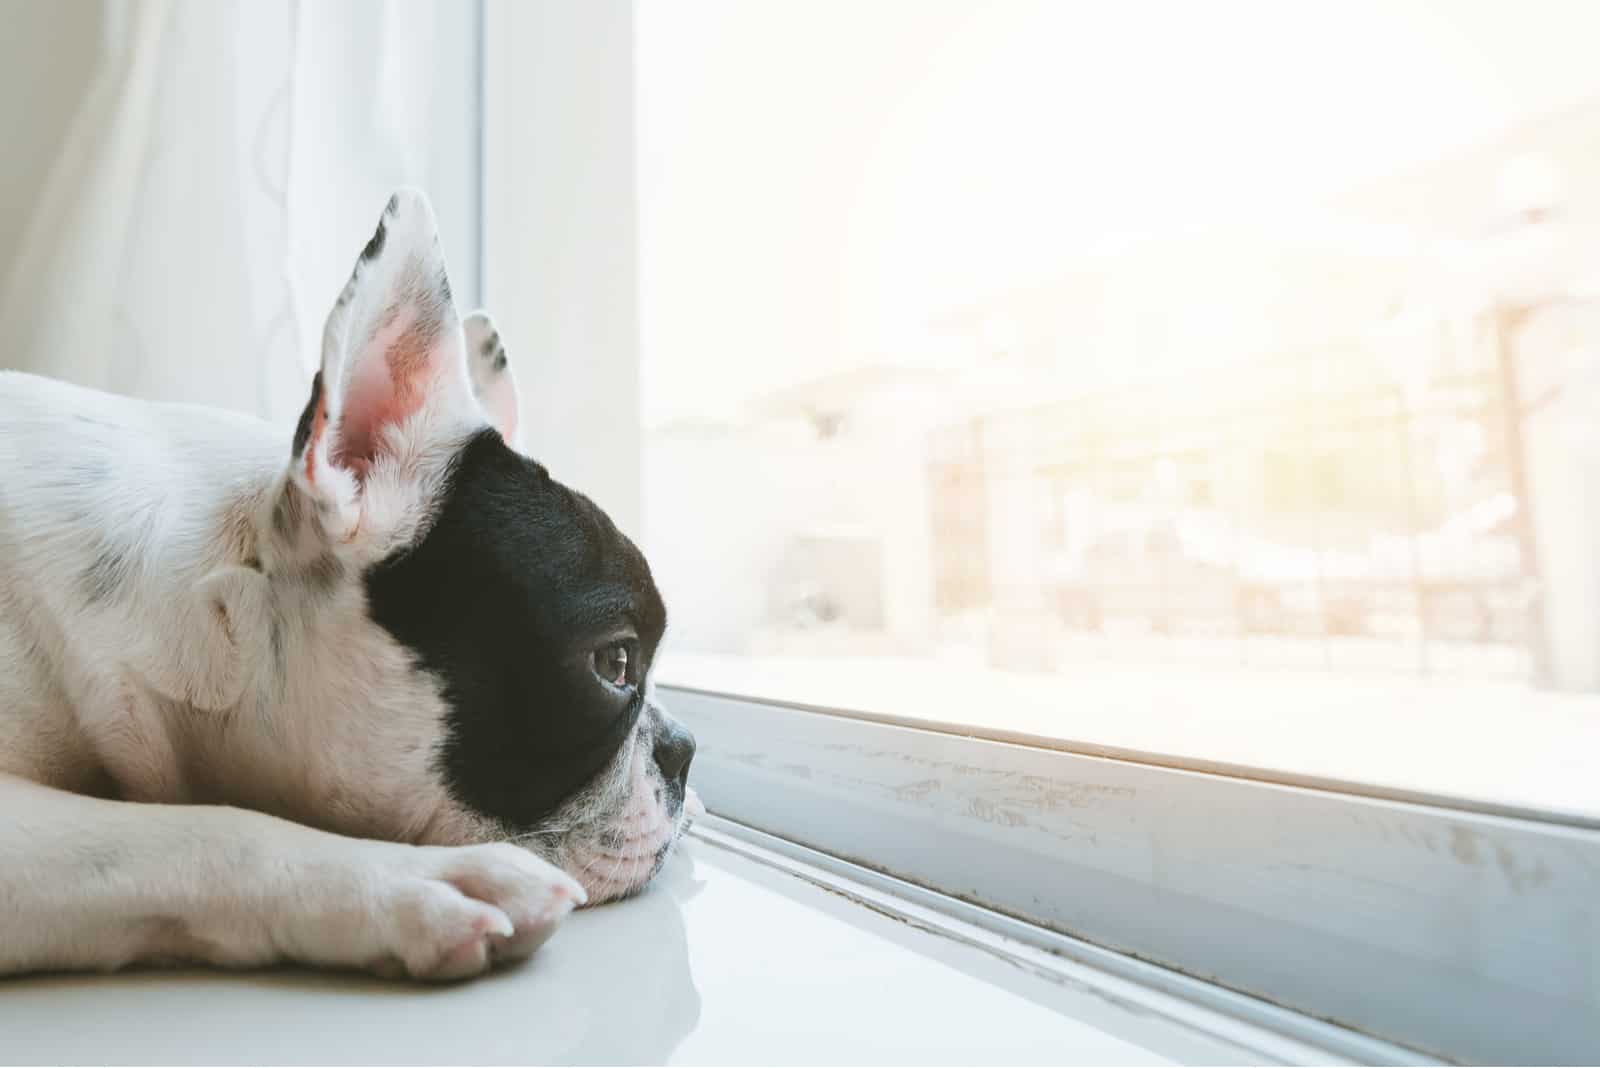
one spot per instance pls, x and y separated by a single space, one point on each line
1125 471
1015 368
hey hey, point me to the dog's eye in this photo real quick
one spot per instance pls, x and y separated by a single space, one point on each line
611 663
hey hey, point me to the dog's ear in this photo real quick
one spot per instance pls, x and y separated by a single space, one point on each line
493 382
394 376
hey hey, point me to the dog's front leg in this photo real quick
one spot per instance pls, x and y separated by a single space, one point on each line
93 884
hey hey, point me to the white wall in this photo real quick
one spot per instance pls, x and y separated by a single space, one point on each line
559 203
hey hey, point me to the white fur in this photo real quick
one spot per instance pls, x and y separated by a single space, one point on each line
182 625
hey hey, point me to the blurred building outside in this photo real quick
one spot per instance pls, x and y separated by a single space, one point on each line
1362 439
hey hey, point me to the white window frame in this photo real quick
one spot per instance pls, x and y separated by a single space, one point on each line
1459 933
1462 934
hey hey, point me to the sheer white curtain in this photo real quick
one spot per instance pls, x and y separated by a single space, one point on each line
220 172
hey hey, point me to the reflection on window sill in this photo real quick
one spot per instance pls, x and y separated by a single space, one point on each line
729 960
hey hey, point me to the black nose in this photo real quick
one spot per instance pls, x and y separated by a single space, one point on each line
674 749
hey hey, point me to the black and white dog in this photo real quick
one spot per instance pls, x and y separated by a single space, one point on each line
372 695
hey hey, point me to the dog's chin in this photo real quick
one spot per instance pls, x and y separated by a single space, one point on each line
621 862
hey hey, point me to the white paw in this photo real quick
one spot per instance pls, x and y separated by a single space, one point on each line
452 912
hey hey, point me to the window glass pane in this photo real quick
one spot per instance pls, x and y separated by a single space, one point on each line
1214 380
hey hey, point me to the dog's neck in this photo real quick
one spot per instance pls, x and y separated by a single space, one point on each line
293 695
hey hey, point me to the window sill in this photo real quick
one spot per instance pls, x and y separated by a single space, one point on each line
1449 930
738 955
1377 737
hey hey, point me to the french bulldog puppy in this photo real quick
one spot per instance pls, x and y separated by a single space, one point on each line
368 692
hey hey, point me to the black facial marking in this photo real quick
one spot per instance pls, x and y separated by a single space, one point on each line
393 205
302 430
505 599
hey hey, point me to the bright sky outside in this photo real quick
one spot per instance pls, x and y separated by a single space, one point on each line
818 180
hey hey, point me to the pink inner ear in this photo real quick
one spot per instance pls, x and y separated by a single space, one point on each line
501 407
386 386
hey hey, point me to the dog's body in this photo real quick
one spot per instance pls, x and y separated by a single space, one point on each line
387 626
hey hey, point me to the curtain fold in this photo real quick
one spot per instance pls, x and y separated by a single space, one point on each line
217 181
